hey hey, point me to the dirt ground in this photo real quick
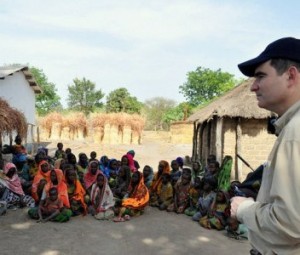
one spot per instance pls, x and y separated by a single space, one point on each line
155 232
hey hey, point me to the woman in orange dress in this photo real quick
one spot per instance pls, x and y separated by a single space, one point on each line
41 178
136 200
163 167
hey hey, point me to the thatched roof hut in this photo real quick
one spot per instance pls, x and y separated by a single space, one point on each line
230 125
12 120
238 102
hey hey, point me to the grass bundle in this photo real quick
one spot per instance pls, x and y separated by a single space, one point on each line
98 120
12 120
137 123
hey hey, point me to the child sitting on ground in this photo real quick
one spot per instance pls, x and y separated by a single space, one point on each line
181 192
219 212
236 230
50 209
194 195
165 192
206 198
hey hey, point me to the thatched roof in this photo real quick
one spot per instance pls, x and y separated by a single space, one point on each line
239 102
11 120
10 70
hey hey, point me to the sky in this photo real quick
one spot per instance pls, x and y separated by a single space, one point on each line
147 47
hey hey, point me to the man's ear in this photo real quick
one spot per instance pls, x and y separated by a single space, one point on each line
293 76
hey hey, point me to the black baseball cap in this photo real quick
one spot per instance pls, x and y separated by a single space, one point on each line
285 48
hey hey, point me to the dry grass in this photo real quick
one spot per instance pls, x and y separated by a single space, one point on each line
77 122
12 120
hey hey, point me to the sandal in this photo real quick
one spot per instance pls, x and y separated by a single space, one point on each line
119 219
126 217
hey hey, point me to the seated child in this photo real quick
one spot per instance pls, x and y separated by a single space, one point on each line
50 209
181 193
165 192
236 230
194 194
212 170
93 156
206 198
60 153
196 170
219 212
148 175
175 172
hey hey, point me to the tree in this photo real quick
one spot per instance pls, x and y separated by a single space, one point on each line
155 110
120 100
48 100
83 96
179 113
204 84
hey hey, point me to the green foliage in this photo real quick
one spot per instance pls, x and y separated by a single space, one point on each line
83 96
179 113
48 100
120 100
155 111
204 84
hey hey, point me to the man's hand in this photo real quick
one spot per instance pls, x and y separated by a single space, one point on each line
235 203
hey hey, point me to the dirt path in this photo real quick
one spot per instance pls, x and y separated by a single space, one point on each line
155 147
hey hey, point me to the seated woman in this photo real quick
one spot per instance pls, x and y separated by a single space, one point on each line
111 172
165 193
103 163
91 175
11 188
181 193
163 167
82 164
102 199
76 192
41 178
137 199
148 175
127 160
195 192
57 180
122 182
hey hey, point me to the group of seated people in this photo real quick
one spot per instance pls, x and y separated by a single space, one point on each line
57 188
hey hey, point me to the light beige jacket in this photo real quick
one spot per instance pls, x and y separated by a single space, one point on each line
274 219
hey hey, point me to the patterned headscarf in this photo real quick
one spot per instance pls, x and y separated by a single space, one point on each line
13 183
102 199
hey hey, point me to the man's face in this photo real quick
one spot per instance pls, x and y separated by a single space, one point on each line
270 88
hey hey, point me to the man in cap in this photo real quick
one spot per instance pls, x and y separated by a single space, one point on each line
274 218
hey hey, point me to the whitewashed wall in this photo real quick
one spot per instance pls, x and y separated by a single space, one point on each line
17 92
